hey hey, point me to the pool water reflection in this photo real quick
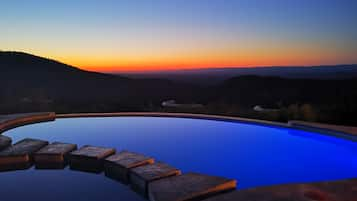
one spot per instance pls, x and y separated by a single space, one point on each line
62 185
254 155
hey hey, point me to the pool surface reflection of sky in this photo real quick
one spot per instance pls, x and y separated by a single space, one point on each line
254 155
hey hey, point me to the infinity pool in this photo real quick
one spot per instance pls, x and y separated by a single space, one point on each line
254 155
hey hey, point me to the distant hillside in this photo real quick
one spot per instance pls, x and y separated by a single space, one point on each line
332 101
29 81
27 66
215 76
253 90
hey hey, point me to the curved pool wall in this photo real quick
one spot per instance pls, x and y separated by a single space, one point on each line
255 155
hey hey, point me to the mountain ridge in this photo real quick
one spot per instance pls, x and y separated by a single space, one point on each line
32 79
29 62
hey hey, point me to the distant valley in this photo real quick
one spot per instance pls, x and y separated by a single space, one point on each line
325 94
215 76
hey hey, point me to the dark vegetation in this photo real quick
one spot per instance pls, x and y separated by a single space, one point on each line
215 76
30 83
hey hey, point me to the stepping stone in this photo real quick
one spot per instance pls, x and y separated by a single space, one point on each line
19 156
191 186
117 166
4 142
89 158
141 176
53 156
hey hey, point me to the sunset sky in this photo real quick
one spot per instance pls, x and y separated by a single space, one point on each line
132 35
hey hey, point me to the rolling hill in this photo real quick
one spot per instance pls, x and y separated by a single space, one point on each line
35 83
252 90
31 84
214 76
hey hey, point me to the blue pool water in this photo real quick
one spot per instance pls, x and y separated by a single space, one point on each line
254 155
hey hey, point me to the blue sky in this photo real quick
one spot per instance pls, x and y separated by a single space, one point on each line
124 33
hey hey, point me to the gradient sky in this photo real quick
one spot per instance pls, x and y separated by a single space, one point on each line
122 35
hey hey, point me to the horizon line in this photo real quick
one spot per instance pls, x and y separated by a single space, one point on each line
219 68
177 69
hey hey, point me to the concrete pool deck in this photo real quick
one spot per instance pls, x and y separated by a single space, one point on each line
210 187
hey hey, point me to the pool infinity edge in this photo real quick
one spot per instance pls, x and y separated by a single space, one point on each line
330 190
8 122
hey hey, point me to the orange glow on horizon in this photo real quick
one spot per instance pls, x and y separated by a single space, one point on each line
171 66
254 54
219 57
146 68
127 36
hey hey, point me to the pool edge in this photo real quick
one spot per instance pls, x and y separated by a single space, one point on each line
11 121
298 125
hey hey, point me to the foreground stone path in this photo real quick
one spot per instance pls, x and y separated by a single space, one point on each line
160 181
89 158
20 155
118 166
140 177
188 187
4 142
139 171
53 156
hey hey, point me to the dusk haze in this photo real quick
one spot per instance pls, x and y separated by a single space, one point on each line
126 35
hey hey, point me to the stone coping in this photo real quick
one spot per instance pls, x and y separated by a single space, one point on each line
175 115
10 121
349 133
346 132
